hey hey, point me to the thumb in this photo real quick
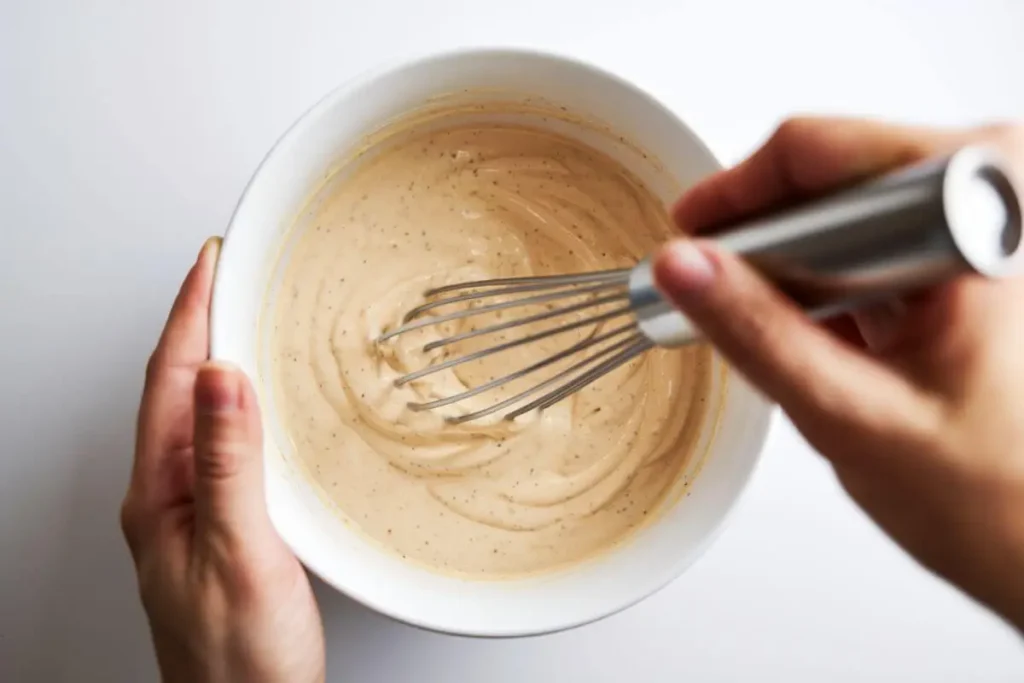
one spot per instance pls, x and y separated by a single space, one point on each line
228 450
825 385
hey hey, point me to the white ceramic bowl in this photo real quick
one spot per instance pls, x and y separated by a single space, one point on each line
285 180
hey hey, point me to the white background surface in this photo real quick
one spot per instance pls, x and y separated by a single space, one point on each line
127 132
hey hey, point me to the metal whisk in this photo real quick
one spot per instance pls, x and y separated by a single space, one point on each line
901 232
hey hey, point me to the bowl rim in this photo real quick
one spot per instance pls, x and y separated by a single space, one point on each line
767 418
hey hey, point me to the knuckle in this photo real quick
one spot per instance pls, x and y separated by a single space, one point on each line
794 130
154 366
795 150
220 460
131 524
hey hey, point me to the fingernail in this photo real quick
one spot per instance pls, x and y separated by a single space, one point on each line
684 265
217 389
210 248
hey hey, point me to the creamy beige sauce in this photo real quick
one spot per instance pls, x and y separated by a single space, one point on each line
485 498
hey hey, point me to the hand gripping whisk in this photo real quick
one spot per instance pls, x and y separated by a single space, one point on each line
913 228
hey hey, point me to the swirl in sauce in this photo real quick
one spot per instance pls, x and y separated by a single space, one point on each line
485 498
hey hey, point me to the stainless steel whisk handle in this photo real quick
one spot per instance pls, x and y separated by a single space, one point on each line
913 228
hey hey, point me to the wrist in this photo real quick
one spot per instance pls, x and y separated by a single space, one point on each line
191 669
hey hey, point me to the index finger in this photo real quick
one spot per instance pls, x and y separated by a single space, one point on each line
184 340
803 158
165 413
